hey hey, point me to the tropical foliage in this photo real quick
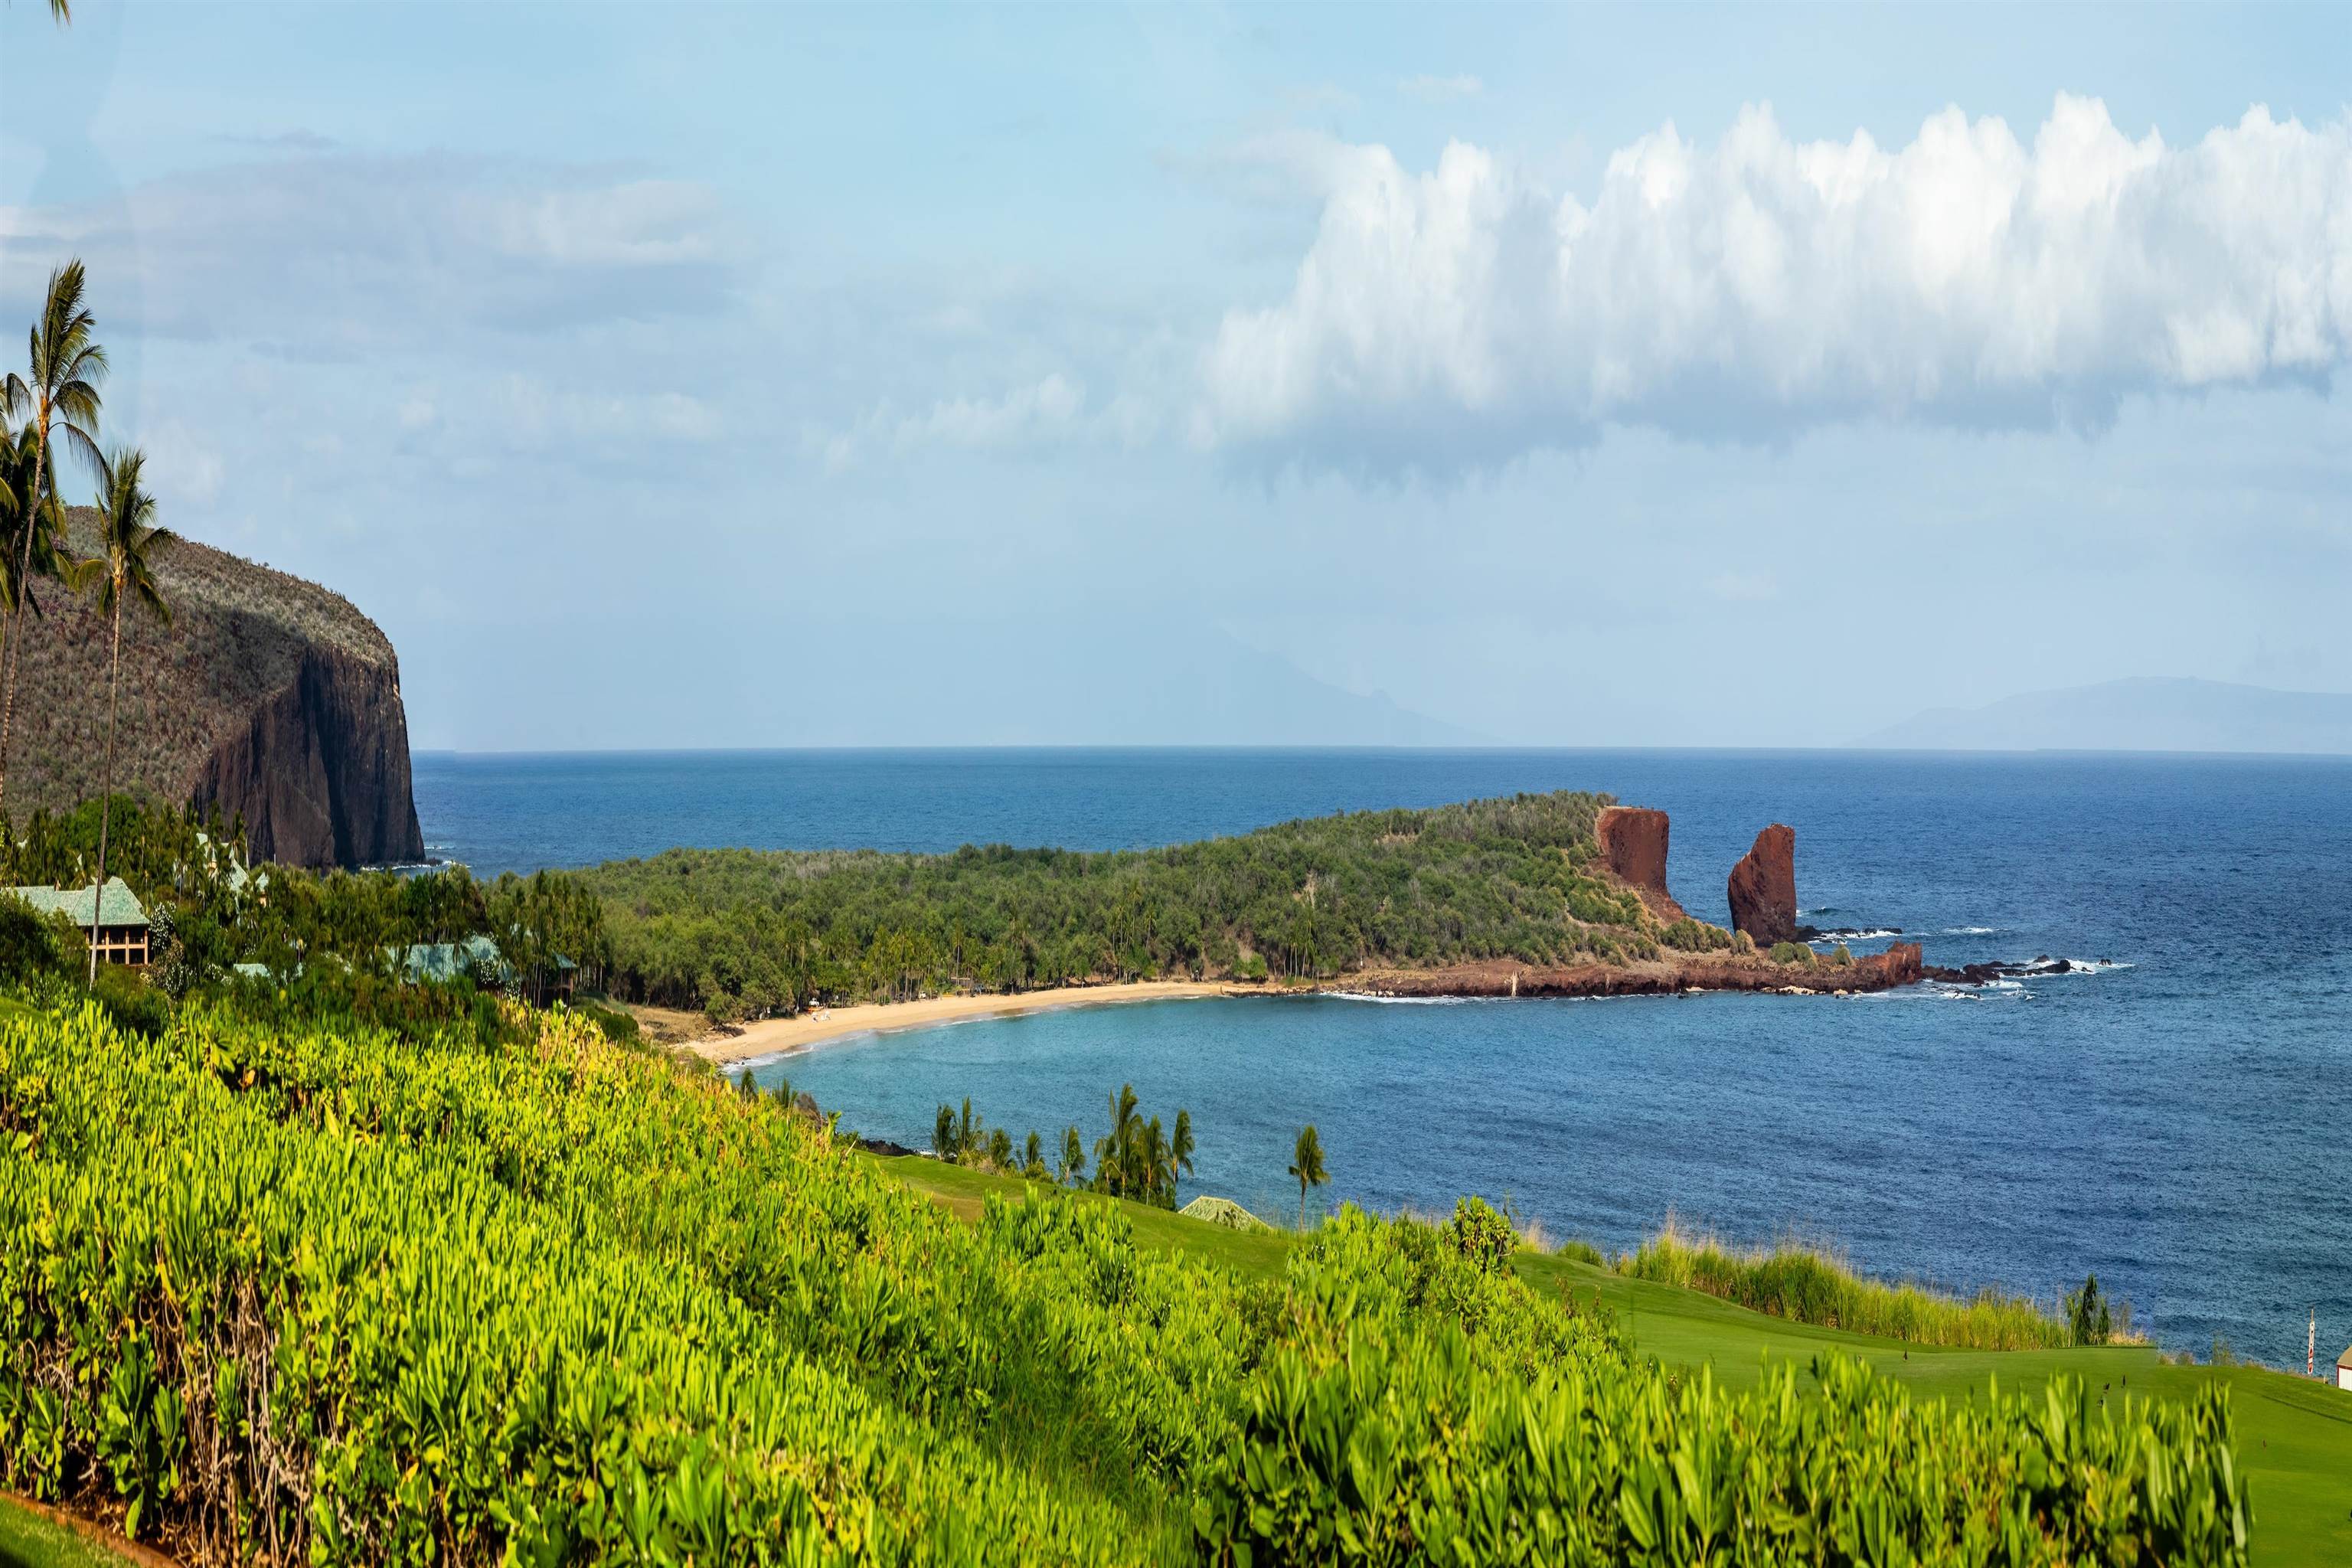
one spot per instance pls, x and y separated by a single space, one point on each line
765 932
283 1294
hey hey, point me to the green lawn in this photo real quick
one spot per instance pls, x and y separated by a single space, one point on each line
2294 1436
29 1541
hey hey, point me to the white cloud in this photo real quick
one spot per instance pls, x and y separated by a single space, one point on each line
1763 286
1441 88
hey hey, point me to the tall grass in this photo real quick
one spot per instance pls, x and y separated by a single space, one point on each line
1810 1284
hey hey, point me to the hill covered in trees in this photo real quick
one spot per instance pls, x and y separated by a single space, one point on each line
765 932
267 697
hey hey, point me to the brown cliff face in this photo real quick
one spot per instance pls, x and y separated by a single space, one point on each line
1763 888
320 775
1634 844
267 696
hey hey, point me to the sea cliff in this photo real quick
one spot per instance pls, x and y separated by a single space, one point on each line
268 696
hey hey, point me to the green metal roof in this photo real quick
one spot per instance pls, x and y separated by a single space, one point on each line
118 906
442 961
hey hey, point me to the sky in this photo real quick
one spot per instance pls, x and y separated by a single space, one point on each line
701 376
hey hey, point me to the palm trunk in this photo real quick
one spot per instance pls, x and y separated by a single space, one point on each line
12 645
45 488
106 781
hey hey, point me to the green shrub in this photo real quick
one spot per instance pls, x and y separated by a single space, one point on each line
1742 943
1791 952
1481 1234
1582 1252
1697 936
618 1027
135 1007
34 944
1840 957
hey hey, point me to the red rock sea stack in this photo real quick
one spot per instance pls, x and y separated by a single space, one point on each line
1763 888
1634 844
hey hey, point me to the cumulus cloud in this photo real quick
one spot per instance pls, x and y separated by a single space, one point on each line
1762 286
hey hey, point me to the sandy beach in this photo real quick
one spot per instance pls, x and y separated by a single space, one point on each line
780 1037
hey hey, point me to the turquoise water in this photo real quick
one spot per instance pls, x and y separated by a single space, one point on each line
2178 1121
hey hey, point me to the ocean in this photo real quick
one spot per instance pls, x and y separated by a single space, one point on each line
2178 1122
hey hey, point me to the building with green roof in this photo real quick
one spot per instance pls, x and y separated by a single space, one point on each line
121 924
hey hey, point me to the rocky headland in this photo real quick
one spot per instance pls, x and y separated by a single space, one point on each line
268 696
1762 894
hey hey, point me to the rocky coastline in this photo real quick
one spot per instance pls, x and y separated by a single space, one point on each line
1900 964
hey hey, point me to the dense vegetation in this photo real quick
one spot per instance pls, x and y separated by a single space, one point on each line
753 932
544 1299
332 945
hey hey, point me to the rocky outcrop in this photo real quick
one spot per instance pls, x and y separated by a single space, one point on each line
268 696
1634 845
321 774
1763 888
1900 964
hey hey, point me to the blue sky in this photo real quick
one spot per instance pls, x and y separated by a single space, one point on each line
688 375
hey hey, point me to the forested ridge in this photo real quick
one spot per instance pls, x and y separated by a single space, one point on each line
754 932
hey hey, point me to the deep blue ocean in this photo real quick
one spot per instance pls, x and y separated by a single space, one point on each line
2180 1123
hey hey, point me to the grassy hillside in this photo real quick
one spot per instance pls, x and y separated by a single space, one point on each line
2295 1435
543 1299
766 931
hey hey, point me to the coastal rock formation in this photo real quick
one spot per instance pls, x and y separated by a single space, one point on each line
1634 844
1900 964
321 774
268 696
1763 888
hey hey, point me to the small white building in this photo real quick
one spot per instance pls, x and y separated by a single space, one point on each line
2344 1371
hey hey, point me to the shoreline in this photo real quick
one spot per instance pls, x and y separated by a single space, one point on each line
771 1038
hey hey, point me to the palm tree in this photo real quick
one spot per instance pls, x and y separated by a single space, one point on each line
1073 1155
28 528
1306 1166
59 397
1151 1151
1033 1156
943 1131
129 545
1121 1141
1179 1147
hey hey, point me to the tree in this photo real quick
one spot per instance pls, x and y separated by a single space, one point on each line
1158 1172
1307 1166
1033 1157
57 395
966 1133
128 545
1074 1154
1179 1146
943 1131
2088 1314
1116 1168
29 529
